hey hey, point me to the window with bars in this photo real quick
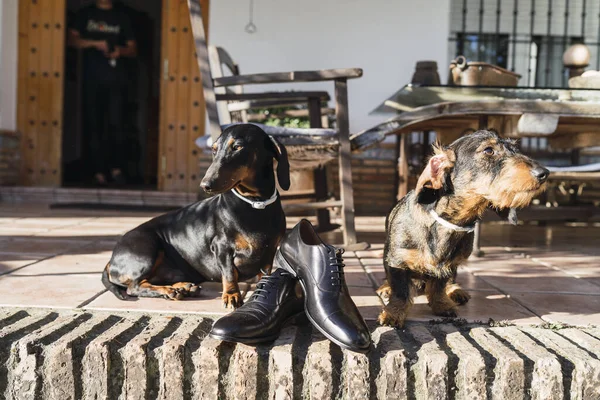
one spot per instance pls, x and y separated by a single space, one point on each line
528 37
525 36
485 47
546 61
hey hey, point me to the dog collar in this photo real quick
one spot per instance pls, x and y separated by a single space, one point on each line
450 225
259 205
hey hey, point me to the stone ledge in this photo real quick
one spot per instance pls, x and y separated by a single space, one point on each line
47 354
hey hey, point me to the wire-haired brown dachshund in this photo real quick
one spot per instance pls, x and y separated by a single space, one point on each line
229 237
430 230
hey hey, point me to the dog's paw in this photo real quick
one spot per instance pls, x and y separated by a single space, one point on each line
174 294
458 294
180 290
232 300
444 309
187 288
451 313
443 306
387 319
384 291
393 314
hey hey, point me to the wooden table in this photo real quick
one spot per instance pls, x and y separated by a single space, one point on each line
569 118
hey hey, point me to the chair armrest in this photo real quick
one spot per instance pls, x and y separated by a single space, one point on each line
291 95
286 77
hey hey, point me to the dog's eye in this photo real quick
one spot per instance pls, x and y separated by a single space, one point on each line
237 147
489 151
214 150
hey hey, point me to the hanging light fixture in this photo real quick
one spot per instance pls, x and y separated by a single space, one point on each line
250 27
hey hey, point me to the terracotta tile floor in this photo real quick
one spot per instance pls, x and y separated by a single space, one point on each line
530 274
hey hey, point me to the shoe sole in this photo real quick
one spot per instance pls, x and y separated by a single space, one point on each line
283 263
259 340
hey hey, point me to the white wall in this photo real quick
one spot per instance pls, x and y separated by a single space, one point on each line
384 37
8 63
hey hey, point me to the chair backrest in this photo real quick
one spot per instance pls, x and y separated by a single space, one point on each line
220 59
205 70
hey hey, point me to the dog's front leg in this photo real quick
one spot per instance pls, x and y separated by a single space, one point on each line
399 296
459 295
232 298
439 301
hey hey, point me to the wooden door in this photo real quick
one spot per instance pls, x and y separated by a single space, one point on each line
40 90
182 111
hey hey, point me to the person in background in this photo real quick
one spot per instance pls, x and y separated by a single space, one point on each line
105 35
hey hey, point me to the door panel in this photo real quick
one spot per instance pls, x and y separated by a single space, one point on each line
23 91
197 116
41 67
182 103
56 77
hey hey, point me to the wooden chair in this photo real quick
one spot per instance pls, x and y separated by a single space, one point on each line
236 110
231 111
306 147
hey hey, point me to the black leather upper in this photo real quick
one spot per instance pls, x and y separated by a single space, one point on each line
328 303
273 302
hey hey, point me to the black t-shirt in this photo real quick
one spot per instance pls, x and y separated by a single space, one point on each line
114 27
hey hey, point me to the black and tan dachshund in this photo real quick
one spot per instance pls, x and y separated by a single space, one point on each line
229 237
430 231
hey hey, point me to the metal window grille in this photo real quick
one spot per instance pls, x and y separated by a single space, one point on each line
529 37
525 36
483 47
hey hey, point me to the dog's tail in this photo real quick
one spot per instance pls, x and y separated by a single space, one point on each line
114 289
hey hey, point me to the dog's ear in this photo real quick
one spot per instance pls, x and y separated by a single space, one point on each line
283 165
509 214
434 177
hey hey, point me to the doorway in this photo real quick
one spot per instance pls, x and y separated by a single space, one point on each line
141 101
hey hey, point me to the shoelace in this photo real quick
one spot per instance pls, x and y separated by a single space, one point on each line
264 286
336 262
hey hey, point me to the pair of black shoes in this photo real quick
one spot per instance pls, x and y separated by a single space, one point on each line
325 300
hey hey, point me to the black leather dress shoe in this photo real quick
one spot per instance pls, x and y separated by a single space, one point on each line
328 305
273 303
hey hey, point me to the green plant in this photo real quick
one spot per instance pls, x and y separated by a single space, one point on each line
277 117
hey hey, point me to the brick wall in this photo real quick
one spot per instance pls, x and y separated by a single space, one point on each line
373 179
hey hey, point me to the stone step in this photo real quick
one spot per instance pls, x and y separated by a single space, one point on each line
47 354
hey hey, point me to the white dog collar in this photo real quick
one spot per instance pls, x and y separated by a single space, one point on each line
259 205
450 225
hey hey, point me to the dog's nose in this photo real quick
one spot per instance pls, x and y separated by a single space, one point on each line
540 173
206 186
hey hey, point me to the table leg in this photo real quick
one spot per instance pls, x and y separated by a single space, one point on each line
402 166
319 174
477 252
